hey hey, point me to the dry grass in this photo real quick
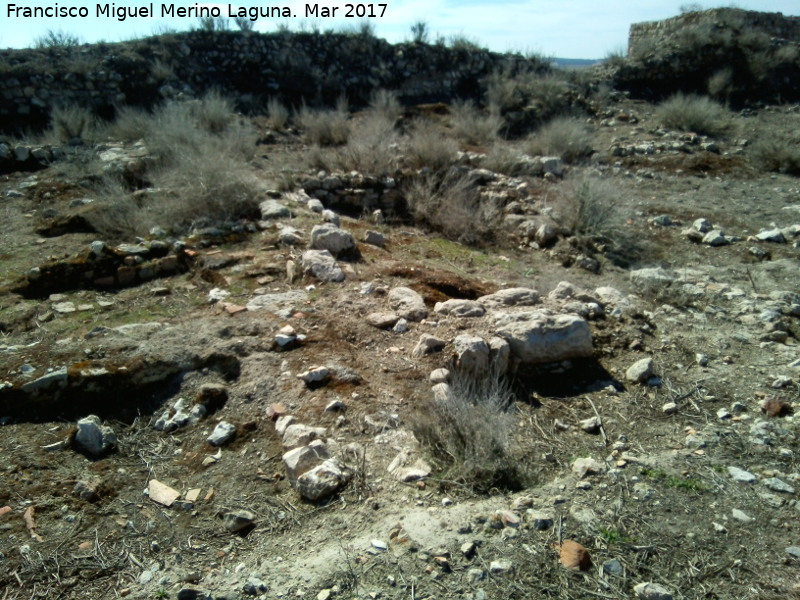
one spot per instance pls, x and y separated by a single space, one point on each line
130 124
564 137
472 126
778 155
117 214
200 171
426 146
450 203
469 434
371 147
213 112
385 103
277 114
544 95
694 113
504 158
70 123
324 127
588 208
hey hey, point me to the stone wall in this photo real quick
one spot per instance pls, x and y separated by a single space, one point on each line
743 58
774 24
311 67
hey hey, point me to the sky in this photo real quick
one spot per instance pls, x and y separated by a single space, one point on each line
564 29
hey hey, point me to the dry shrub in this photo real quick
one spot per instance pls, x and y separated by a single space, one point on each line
117 213
179 127
778 155
504 158
469 434
698 114
57 38
720 84
213 112
427 146
472 126
588 206
199 172
385 103
277 114
71 123
325 127
543 94
370 148
130 124
450 203
203 186
564 137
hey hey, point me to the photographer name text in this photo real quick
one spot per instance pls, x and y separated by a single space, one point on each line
196 11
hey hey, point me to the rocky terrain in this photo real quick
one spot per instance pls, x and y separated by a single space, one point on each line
578 379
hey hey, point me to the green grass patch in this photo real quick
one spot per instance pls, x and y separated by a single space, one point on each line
612 536
674 481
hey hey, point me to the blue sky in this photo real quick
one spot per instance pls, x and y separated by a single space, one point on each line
568 29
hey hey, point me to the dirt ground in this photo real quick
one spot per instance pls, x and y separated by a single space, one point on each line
662 508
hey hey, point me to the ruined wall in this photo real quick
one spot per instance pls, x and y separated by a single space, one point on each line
774 24
311 67
743 58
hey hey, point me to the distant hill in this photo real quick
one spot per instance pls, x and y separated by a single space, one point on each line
575 62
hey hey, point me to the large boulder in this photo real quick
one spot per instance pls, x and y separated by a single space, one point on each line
94 438
472 354
510 297
272 209
322 265
303 459
499 354
460 308
297 435
407 303
539 337
322 481
329 237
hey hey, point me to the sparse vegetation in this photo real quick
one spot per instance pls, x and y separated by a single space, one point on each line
450 203
691 484
699 114
329 127
504 158
277 114
161 70
200 171
474 127
777 154
213 112
427 147
536 96
464 44
130 124
564 137
720 84
213 24
113 250
469 434
71 123
56 38
244 24
372 145
588 208
385 103
420 32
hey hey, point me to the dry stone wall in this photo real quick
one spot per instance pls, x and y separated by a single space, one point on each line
310 67
741 57
774 24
